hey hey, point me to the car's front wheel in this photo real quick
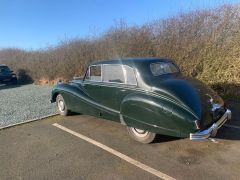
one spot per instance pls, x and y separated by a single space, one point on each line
61 106
140 135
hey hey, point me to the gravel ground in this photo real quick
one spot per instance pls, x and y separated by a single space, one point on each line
26 102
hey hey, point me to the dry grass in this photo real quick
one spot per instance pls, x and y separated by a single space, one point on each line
204 43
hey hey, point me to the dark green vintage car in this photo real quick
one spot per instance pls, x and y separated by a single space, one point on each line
148 95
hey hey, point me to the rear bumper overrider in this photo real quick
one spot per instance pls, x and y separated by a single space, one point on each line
211 131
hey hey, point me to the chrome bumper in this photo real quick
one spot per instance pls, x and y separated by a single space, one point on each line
211 131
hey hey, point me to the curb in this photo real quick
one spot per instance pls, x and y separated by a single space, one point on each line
28 121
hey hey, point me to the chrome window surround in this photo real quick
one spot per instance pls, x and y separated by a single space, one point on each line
89 73
123 69
124 73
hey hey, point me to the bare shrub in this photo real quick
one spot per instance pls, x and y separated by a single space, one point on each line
204 43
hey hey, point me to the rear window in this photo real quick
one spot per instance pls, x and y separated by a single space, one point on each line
161 68
4 68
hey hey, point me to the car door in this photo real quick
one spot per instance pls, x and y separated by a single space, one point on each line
116 84
92 85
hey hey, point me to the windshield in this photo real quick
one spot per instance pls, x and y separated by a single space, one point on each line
4 69
160 68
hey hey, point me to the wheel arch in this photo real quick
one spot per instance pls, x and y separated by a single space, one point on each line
75 98
62 89
54 96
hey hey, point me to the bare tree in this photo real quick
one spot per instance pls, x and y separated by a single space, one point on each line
204 43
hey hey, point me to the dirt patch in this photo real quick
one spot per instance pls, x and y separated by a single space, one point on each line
46 81
189 160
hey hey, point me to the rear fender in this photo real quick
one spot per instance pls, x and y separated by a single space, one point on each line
150 113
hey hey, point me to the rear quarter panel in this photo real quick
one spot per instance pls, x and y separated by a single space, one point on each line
156 114
149 112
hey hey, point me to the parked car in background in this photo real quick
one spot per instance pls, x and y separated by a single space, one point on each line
148 95
6 75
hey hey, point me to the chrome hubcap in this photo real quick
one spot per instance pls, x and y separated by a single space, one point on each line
61 106
139 132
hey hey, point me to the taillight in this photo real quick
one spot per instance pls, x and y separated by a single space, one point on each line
197 124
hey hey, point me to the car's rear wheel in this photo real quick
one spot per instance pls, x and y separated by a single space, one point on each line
14 81
140 135
61 106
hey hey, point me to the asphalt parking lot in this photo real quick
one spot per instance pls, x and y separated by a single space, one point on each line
39 150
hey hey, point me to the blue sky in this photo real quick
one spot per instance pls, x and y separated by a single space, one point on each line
33 24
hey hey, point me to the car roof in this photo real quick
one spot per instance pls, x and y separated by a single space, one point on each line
3 65
132 61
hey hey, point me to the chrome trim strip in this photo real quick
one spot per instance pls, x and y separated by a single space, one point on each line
153 125
211 131
123 66
122 120
93 103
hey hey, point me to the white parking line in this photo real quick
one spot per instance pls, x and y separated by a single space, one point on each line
116 153
231 126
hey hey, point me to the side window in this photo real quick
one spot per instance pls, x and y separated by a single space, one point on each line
130 75
94 73
113 73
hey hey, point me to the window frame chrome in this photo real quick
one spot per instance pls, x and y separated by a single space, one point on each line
124 74
89 73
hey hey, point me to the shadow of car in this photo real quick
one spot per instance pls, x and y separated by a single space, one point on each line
9 86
